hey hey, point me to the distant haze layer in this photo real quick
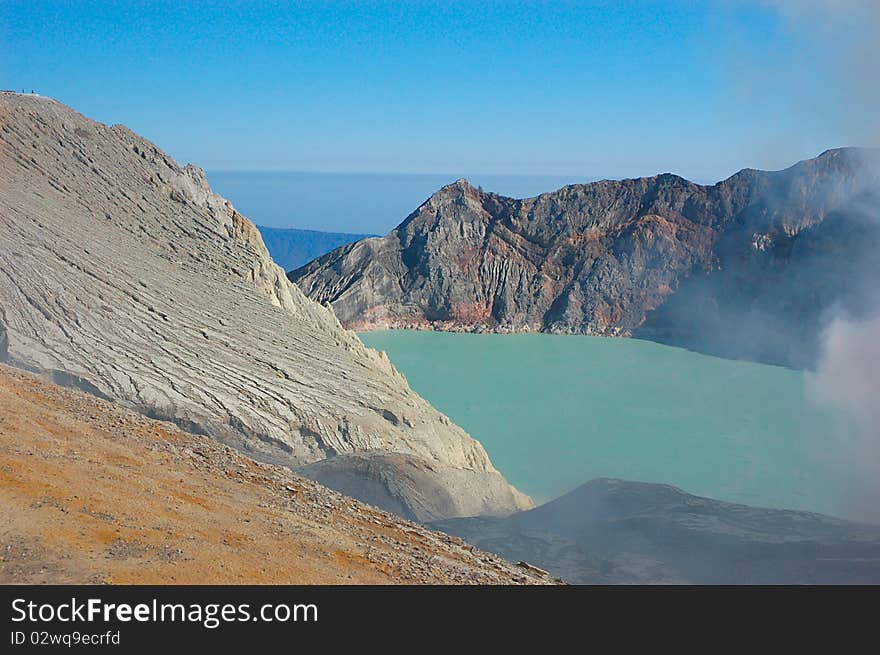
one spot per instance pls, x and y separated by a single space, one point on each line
290 248
354 202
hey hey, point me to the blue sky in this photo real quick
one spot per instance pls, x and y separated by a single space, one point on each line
592 89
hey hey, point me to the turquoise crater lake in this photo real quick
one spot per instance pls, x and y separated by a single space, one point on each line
556 411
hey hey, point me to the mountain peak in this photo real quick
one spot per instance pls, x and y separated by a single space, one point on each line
608 257
848 151
461 185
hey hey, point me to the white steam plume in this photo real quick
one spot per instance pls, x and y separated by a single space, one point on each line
848 374
847 379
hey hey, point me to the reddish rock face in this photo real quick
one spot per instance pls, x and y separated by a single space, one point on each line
610 258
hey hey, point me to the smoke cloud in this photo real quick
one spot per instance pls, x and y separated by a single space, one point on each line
847 380
839 40
817 86
829 74
847 376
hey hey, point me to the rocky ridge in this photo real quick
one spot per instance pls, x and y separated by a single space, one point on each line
121 273
749 267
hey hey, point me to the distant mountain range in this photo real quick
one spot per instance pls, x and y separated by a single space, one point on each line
291 248
750 267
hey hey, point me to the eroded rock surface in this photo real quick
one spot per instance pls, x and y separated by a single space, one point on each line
121 273
749 267
411 486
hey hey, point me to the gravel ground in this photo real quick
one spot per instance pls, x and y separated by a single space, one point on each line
91 492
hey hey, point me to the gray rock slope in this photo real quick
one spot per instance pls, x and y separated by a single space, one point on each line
123 274
748 267
612 531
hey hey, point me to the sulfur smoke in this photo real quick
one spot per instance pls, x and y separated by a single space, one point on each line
847 379
840 39
848 375
835 63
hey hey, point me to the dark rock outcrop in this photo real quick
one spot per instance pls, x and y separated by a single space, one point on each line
4 343
612 531
748 267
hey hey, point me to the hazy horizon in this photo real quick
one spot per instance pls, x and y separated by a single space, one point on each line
334 202
576 89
